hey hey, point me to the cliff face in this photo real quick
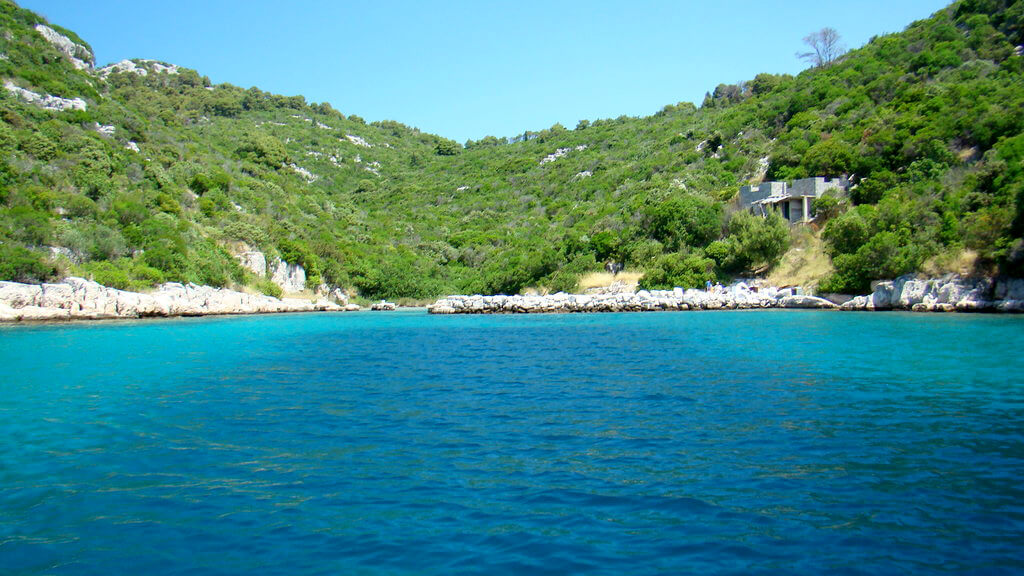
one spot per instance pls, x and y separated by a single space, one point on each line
290 277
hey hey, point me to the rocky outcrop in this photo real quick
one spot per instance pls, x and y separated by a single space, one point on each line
80 56
45 101
77 298
383 305
358 141
946 294
738 296
290 277
332 293
138 67
254 261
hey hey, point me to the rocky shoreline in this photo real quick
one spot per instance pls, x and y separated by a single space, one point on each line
947 294
738 296
80 299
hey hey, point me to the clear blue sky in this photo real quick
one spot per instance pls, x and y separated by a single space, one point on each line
467 69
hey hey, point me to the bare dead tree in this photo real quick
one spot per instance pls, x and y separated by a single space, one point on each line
825 47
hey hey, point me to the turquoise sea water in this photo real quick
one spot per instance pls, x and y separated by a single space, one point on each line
401 443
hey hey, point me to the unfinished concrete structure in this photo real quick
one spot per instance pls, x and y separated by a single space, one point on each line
791 201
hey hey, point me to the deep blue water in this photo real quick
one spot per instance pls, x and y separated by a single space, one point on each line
392 443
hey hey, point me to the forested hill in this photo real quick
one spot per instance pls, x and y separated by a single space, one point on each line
144 172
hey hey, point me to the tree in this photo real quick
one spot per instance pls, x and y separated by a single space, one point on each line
825 47
447 147
753 243
678 269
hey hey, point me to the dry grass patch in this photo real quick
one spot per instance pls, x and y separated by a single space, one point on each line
805 263
604 279
963 262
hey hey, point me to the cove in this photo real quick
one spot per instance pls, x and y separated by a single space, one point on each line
739 442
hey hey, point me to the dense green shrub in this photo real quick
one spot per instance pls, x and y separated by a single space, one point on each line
265 286
677 269
123 274
263 149
18 264
566 278
683 220
885 255
753 243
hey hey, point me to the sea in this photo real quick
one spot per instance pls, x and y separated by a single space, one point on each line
726 442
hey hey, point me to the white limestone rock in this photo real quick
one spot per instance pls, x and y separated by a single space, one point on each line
358 141
908 291
78 298
139 67
855 303
332 293
290 277
805 301
1016 306
1009 289
45 101
80 56
881 298
18 295
308 176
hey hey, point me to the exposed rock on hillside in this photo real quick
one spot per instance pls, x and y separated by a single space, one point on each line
139 67
254 261
80 56
45 101
561 153
358 141
290 277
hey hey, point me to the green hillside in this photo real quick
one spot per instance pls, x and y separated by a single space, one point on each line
163 176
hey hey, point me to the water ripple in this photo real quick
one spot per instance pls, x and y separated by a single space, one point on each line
741 443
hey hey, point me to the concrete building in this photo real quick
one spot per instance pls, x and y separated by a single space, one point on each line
791 201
